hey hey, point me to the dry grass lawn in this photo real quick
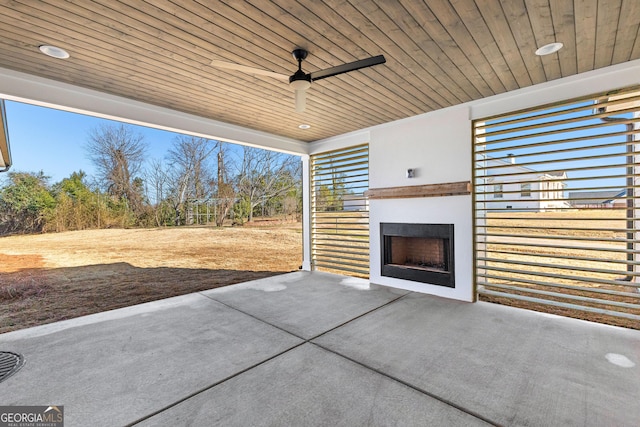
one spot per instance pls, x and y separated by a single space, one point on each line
51 277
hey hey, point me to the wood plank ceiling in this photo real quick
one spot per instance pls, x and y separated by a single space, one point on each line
439 52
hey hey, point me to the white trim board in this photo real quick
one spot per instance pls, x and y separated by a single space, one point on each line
26 88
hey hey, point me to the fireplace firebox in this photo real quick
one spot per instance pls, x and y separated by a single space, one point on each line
418 252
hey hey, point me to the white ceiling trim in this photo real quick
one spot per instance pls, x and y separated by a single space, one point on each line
584 84
21 87
338 142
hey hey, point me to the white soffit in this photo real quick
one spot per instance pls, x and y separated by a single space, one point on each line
601 80
21 87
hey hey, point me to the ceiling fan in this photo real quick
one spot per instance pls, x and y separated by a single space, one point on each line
301 81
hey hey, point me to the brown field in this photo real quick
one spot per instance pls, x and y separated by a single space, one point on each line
51 277
520 257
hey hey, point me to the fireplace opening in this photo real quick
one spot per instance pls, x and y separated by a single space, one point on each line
425 253
418 252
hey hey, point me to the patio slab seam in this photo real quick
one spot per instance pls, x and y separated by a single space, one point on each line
315 336
256 318
304 341
209 387
310 341
412 386
359 316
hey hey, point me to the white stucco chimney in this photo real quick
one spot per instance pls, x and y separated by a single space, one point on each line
512 158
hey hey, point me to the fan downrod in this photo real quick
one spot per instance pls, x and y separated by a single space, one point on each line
300 80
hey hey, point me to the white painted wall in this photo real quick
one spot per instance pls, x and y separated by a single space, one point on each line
434 145
437 146
438 149
454 210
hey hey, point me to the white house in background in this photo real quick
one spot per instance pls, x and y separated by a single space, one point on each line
598 199
517 187
355 203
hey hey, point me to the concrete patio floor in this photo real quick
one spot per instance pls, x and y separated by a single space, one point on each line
322 349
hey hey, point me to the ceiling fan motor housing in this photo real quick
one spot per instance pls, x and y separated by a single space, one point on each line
300 80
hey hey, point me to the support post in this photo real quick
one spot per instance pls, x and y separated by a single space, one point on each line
306 214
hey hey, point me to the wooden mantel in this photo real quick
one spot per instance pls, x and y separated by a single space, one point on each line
428 190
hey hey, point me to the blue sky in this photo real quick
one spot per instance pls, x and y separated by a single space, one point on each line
54 141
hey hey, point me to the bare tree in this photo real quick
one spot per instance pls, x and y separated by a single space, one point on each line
192 176
118 154
178 194
225 193
157 188
265 174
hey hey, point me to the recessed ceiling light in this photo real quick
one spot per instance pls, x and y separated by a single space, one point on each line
54 52
303 126
548 49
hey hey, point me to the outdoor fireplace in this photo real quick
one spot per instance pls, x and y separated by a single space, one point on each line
418 252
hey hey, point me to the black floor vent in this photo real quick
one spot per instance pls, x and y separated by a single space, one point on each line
10 363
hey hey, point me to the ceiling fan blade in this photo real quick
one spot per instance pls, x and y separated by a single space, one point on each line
248 70
301 100
345 68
